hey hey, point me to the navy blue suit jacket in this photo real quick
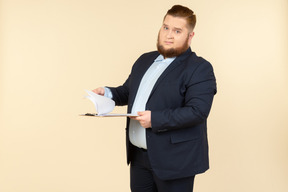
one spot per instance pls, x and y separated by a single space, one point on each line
179 103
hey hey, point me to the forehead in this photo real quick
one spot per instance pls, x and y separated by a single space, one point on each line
175 22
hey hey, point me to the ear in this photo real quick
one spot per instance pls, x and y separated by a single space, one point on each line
191 35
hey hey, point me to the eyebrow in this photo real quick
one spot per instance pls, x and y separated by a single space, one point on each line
175 28
178 29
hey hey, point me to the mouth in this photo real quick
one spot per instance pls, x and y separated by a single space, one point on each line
168 42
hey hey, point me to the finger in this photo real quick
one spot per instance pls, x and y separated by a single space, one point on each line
95 91
99 91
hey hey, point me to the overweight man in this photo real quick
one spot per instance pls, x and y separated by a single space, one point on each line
171 90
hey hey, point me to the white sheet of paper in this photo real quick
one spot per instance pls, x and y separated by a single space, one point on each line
104 106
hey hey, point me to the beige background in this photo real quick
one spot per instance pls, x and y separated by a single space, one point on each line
52 50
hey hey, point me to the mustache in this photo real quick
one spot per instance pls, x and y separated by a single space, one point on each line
172 52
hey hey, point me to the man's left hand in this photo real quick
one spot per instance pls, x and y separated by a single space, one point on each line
144 118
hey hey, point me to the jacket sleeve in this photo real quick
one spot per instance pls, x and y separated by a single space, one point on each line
120 94
199 94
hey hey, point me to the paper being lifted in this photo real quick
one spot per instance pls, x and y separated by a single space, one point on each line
104 106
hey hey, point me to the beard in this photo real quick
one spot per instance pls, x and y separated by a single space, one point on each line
172 52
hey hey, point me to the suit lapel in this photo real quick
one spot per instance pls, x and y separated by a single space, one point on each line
142 66
176 63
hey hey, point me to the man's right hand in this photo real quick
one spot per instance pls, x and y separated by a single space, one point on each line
99 91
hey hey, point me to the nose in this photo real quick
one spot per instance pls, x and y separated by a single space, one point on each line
169 34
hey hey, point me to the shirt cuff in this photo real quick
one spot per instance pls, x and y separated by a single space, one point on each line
108 93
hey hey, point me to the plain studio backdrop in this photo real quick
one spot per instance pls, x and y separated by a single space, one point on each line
52 50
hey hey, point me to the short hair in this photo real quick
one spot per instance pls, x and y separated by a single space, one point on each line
184 12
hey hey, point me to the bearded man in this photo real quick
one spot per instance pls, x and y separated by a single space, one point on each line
172 90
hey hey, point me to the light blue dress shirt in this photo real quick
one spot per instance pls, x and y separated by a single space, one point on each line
137 134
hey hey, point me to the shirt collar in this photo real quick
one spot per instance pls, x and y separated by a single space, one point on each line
161 58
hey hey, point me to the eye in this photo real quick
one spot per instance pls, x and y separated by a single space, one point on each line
165 28
177 32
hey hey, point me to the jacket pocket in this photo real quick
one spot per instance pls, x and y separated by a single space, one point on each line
193 134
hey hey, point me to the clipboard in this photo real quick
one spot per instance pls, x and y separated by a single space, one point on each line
110 115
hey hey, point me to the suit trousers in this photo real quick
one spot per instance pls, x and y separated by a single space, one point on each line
143 179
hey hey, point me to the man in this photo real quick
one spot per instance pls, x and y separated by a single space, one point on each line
172 90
